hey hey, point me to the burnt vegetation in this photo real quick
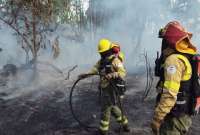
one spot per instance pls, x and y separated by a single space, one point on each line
28 108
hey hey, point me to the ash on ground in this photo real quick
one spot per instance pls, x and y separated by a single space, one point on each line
44 109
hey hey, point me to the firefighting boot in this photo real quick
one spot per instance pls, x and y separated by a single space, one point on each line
100 132
126 128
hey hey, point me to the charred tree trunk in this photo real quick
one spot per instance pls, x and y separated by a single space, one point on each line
34 45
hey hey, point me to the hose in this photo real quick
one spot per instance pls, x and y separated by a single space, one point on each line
86 127
82 124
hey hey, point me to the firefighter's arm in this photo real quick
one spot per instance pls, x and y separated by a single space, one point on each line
94 70
173 72
118 68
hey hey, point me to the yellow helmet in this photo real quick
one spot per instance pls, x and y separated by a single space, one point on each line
121 56
104 45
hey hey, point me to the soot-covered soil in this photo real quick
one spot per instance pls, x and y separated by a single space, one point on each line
46 111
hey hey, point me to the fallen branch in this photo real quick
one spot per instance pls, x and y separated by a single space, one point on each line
149 77
70 70
51 65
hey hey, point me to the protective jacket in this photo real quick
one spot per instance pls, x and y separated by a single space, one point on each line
175 76
111 65
175 72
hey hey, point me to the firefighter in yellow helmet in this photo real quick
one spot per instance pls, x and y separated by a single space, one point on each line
112 69
172 114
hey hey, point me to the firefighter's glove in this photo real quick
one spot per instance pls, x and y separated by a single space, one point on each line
155 126
112 75
82 76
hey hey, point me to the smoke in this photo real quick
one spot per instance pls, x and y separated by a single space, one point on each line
133 24
135 28
11 51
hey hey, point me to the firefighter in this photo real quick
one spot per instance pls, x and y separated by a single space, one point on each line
172 115
112 69
117 51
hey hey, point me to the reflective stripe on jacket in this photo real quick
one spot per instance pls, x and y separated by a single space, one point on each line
177 68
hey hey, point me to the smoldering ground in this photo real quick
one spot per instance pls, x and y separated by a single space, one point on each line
46 111
40 106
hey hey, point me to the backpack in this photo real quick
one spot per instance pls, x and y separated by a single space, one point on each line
194 103
105 68
195 86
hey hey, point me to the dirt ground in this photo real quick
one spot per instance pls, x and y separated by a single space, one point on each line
46 111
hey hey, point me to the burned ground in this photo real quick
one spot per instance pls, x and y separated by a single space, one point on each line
46 111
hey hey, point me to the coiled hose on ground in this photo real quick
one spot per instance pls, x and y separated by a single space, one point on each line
82 124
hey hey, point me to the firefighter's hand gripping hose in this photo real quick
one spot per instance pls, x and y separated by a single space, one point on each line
82 124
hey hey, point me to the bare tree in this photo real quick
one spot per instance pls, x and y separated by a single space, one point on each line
28 19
